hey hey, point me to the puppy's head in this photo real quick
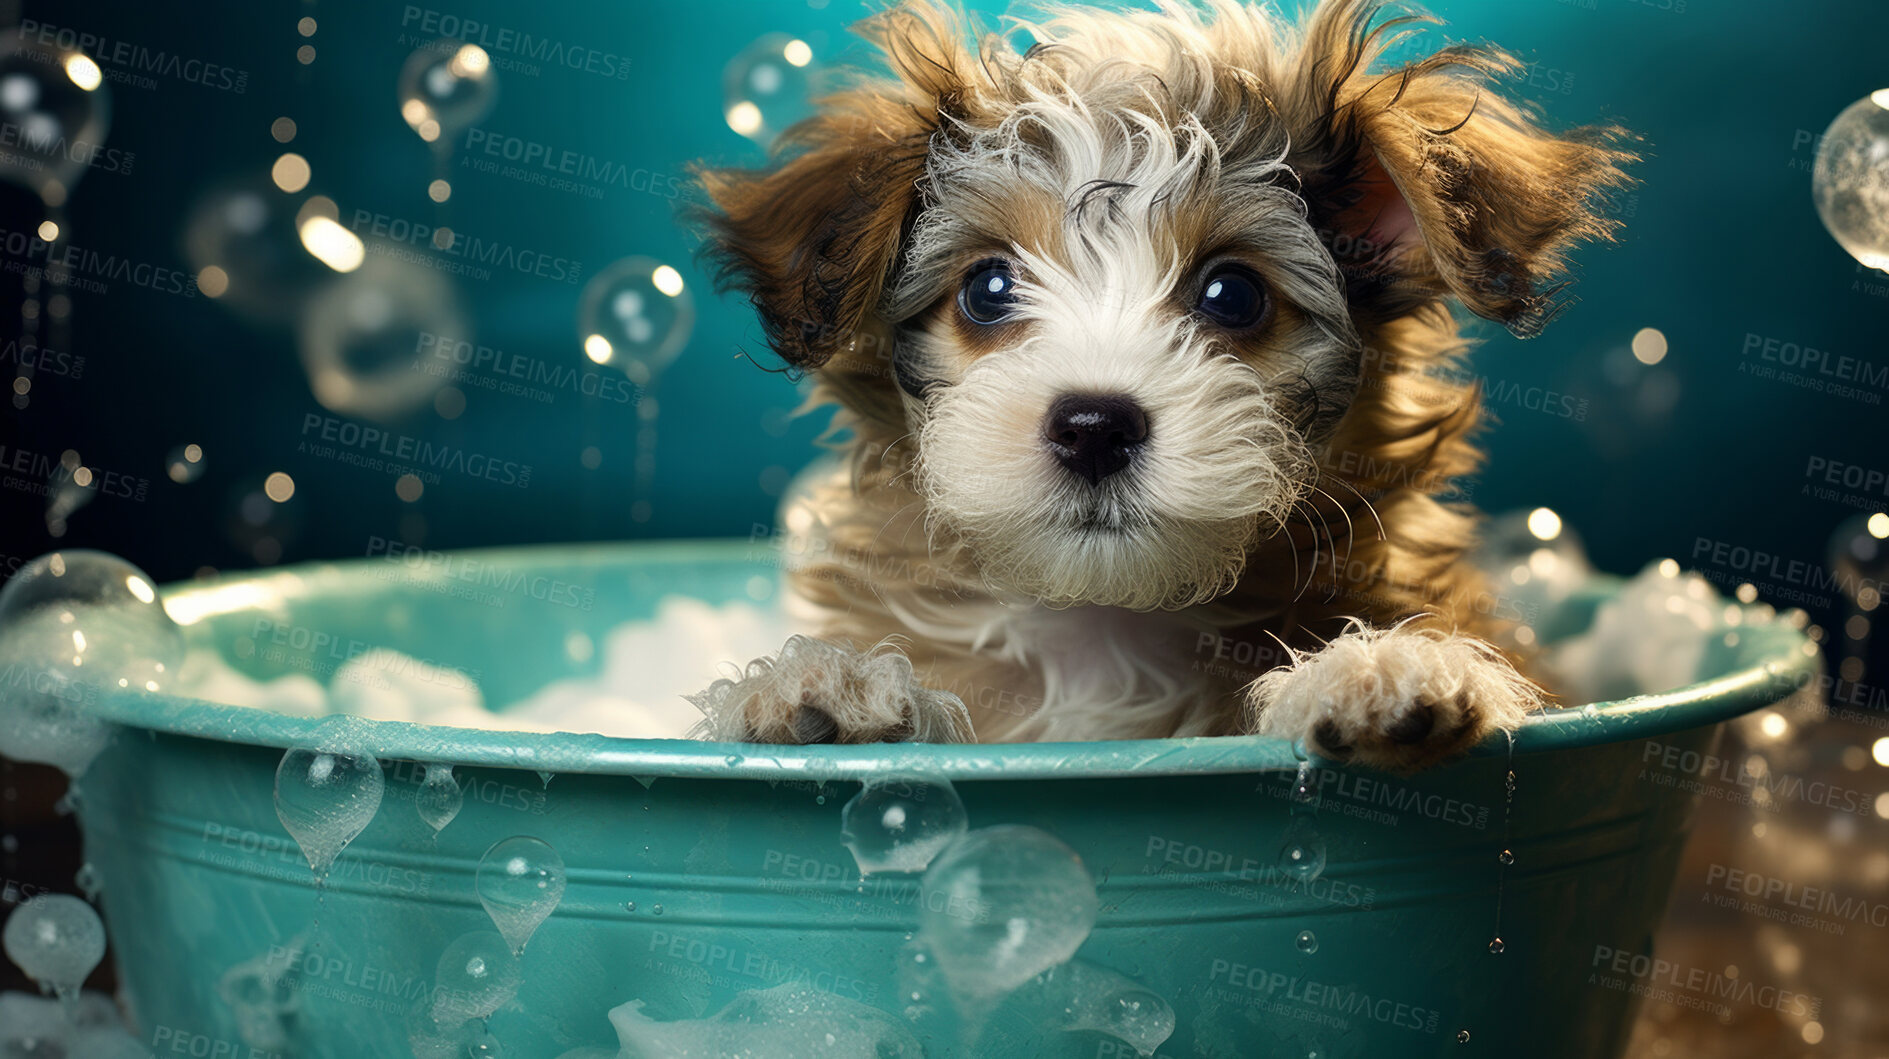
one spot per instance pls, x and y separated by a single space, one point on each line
1117 285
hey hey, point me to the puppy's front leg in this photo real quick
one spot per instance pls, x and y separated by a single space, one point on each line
818 692
1398 699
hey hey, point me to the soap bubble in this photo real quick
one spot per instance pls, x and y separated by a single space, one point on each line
477 975
636 315
1306 942
54 104
1002 905
325 799
262 526
1859 557
789 1021
1850 182
520 882
76 626
439 798
445 87
243 238
900 823
1083 996
57 940
377 342
768 86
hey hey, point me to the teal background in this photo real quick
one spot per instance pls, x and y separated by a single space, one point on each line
1721 241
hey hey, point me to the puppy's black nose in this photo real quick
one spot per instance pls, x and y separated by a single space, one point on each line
1095 436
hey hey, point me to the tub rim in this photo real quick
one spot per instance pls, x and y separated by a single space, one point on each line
1784 667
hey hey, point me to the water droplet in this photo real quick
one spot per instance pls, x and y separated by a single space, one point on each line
1304 787
629 906
1307 942
325 799
1002 905
545 778
476 975
77 627
655 910
57 940
520 881
901 822
1506 856
1302 853
483 1045
1498 947
1462 1036
439 798
819 799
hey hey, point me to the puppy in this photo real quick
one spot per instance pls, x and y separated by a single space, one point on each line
1141 340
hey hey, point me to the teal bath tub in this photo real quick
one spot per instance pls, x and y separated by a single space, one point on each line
700 871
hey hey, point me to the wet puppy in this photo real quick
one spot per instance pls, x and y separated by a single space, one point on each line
1141 338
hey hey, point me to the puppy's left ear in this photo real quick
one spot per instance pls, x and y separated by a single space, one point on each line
1425 182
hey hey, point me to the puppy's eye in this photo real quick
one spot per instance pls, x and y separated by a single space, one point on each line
990 293
1233 297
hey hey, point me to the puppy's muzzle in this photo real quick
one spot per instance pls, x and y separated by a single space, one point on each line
1095 436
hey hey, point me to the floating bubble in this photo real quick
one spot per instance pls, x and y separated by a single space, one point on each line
57 940
244 239
184 464
1002 905
446 87
261 525
900 823
325 799
1497 947
477 975
636 316
1302 853
520 882
75 627
790 1021
55 109
439 798
1850 181
1306 942
377 341
1462 1036
768 86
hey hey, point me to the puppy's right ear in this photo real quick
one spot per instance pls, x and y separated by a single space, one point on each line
814 237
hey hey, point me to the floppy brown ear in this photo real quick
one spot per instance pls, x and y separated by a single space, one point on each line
1425 181
814 237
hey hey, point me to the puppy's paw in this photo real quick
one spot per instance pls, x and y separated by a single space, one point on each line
817 692
1398 699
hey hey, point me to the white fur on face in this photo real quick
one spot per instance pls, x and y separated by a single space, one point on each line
1131 195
